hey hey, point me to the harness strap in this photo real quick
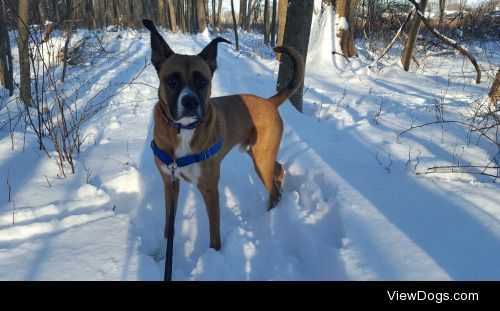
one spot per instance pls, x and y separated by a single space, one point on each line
186 160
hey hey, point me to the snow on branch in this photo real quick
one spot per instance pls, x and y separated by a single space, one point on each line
342 23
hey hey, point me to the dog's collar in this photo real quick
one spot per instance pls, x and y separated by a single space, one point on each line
179 126
186 160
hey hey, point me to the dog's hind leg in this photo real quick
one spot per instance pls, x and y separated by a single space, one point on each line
279 176
271 172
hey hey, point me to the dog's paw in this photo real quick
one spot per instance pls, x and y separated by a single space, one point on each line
159 254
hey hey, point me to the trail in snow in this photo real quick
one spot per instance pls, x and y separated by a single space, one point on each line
351 209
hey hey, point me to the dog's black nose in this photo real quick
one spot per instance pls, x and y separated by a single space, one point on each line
190 102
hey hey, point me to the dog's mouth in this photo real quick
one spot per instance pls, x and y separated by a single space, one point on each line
196 115
190 116
192 113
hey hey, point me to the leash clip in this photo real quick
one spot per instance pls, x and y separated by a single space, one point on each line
173 166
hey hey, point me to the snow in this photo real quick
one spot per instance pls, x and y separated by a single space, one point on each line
323 38
353 207
341 23
324 44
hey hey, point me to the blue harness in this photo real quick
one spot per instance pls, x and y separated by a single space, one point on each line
186 160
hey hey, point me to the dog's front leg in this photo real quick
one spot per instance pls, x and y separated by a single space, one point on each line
210 192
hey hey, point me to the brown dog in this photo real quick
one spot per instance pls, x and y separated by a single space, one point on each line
188 122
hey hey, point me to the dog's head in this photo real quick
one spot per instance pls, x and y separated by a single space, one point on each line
185 80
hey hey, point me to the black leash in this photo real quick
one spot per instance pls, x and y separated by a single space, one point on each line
170 231
172 164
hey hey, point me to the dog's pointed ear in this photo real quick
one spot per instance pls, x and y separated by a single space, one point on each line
209 53
160 50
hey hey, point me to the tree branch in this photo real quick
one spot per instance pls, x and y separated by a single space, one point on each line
462 169
449 41
393 39
471 126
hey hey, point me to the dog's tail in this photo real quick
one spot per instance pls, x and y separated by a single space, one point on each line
298 75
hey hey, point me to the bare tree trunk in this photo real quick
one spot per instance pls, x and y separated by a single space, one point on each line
494 93
161 12
114 11
173 18
89 12
24 54
207 12
412 37
194 20
219 13
50 10
6 72
182 16
214 17
345 10
96 5
189 16
296 35
252 7
442 4
282 8
201 14
273 24
130 10
235 26
56 16
69 31
4 38
248 15
266 22
42 11
243 13
108 13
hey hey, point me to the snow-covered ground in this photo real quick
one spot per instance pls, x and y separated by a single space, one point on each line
353 206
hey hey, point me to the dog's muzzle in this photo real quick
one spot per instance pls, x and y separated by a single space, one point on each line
190 106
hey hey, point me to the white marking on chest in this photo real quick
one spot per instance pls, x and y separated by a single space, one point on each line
193 171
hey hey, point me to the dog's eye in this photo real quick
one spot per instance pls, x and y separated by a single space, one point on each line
201 82
172 83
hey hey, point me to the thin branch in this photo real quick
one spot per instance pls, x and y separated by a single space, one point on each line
473 127
463 166
8 184
47 180
337 53
393 39
435 170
